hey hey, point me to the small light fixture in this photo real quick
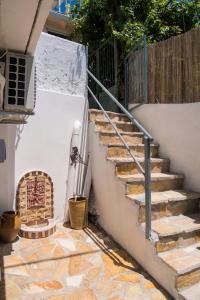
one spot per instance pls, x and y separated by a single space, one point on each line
77 127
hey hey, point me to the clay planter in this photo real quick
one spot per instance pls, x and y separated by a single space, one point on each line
78 212
9 226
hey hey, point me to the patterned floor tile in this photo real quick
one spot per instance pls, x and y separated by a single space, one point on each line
73 265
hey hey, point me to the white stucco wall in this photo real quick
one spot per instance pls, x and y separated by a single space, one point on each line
118 215
176 128
44 143
61 65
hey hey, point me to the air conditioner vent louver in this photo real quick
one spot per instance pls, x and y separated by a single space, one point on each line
18 77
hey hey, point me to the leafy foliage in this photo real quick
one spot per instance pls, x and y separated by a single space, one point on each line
127 20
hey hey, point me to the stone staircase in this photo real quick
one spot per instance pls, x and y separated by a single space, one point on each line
175 211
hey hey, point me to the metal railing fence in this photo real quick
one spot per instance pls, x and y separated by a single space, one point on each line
103 64
136 76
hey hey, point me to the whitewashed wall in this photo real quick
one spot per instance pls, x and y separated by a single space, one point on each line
176 128
44 143
61 65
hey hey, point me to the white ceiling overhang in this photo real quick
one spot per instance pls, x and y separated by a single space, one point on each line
21 22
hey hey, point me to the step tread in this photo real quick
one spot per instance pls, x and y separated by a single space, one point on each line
110 145
121 160
166 196
108 112
115 122
154 177
175 225
191 293
131 133
183 260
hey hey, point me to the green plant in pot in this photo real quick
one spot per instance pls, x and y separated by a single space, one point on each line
10 223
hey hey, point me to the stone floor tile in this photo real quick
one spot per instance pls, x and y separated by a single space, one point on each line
12 291
148 284
73 265
68 244
78 264
57 297
82 294
108 288
134 291
115 298
93 274
130 278
74 281
58 252
157 295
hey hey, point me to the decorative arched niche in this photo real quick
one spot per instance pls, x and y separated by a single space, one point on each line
34 202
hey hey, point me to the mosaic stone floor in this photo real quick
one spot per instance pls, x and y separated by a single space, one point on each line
73 265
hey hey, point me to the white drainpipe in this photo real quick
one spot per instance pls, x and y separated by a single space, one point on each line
73 165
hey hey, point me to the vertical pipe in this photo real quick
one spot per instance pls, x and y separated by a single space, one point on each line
83 143
147 143
145 85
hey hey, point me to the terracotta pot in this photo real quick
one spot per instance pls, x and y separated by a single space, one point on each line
78 212
9 226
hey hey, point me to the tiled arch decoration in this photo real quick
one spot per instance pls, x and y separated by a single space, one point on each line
34 202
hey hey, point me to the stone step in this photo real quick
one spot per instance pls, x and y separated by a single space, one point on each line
126 166
111 137
190 293
186 263
98 114
159 182
138 150
168 203
121 126
177 231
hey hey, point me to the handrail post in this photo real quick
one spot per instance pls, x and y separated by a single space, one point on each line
147 143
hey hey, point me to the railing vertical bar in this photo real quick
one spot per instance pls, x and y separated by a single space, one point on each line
126 88
97 70
145 87
147 144
115 67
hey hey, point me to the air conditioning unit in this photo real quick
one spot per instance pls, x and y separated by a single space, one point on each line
20 83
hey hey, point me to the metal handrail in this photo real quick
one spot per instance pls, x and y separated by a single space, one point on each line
125 111
118 133
147 141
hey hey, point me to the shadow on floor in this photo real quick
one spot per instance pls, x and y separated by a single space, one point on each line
118 255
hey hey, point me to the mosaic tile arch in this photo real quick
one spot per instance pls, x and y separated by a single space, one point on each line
34 199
